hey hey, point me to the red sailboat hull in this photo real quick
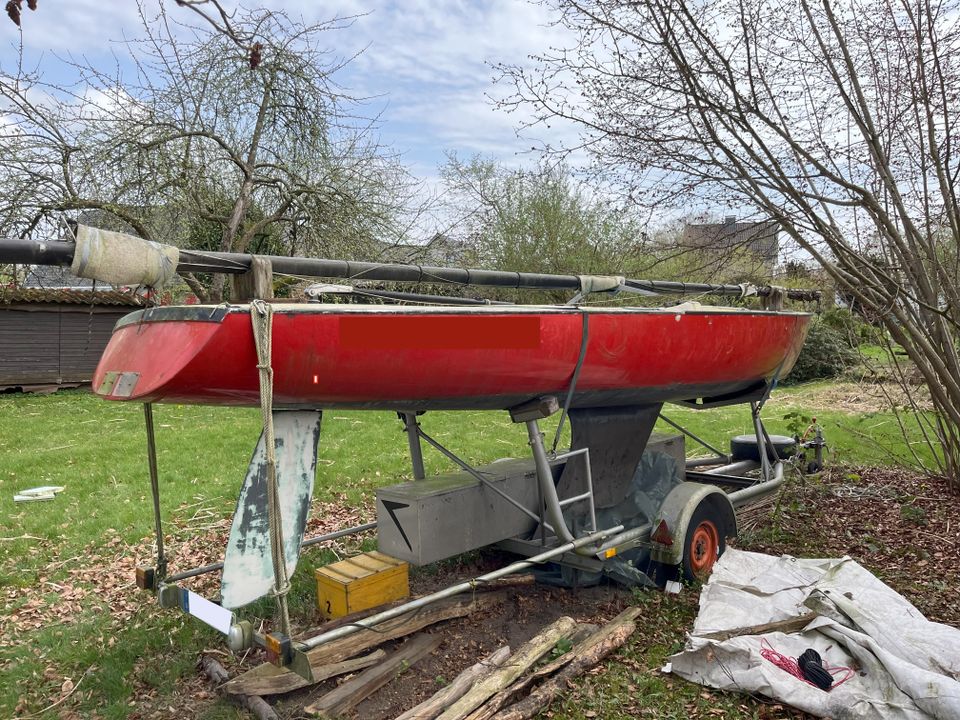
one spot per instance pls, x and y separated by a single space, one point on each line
416 358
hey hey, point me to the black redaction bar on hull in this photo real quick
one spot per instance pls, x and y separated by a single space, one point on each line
31 252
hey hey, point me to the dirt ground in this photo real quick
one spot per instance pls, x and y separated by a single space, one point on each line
524 612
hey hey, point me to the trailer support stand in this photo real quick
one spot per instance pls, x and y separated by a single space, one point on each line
161 568
412 428
547 485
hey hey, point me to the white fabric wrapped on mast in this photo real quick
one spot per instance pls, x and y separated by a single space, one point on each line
600 283
121 259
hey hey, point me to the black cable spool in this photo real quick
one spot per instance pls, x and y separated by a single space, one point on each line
811 665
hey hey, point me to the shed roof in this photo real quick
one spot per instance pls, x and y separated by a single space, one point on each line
8 296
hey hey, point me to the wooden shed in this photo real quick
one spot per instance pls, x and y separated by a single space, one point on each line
54 337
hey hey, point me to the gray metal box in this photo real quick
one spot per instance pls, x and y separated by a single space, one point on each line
428 520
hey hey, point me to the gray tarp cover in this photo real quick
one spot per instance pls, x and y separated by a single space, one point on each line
908 666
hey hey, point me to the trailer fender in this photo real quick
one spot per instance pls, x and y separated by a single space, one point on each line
672 522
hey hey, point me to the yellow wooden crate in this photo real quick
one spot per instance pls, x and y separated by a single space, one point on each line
360 583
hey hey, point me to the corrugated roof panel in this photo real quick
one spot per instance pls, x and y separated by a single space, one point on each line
8 296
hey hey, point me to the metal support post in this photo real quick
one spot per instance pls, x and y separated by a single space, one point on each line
161 569
547 484
719 453
762 445
412 427
204 569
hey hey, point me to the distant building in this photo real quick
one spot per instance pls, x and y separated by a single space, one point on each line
54 327
759 238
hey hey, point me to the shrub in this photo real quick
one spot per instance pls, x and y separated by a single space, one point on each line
852 327
826 354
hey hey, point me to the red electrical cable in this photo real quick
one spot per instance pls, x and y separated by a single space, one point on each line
788 664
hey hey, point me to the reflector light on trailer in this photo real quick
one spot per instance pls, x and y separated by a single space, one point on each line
662 534
279 651
217 617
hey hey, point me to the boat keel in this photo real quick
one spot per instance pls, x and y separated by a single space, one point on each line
248 566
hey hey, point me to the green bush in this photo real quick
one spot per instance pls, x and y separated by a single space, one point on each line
852 327
826 354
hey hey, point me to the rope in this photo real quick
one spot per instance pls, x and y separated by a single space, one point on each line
584 340
788 664
261 316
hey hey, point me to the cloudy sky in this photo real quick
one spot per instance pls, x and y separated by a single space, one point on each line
424 63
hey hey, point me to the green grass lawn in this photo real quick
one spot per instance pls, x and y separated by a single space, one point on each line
96 450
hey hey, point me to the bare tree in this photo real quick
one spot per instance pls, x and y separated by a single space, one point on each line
839 121
183 141
222 21
539 220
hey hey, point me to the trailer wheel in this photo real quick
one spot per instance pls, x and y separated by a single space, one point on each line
704 543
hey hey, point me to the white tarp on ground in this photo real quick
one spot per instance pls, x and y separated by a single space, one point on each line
908 667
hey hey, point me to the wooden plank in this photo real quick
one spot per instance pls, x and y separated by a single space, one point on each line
262 682
440 701
348 695
256 283
352 645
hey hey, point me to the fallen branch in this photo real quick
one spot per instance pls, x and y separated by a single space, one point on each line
63 699
354 691
590 652
337 651
511 692
433 706
254 703
519 662
788 626
508 581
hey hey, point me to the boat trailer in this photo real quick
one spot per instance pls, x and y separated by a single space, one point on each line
622 501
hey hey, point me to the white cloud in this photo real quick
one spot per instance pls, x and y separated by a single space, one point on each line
78 26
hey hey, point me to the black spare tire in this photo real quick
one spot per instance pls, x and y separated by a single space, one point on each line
745 447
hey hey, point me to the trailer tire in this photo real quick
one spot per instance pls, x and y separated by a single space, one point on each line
746 447
705 542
